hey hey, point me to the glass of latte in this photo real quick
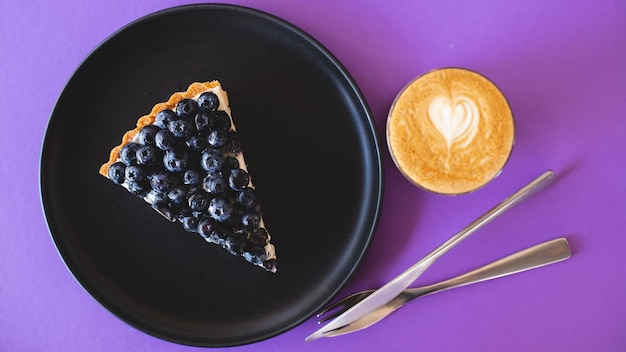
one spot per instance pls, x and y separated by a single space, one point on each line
450 131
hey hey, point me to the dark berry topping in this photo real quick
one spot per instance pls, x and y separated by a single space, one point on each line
199 201
175 160
251 220
187 108
160 181
164 140
181 128
236 244
262 235
128 154
155 197
208 101
204 120
177 194
192 178
247 198
163 118
221 121
117 172
215 184
211 160
147 155
217 139
220 209
238 179
147 134
230 163
207 228
135 173
164 210
196 142
138 188
190 223
232 145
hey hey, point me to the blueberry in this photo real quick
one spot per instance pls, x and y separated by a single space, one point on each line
164 140
208 101
220 121
238 179
139 188
116 172
182 209
196 142
230 163
236 214
192 178
161 182
135 173
128 154
163 118
241 233
220 209
247 198
207 228
255 253
217 138
262 235
186 108
233 145
199 201
269 264
251 220
258 237
204 120
211 160
147 134
236 244
181 128
190 223
214 184
147 155
177 194
154 197
220 234
175 160
164 210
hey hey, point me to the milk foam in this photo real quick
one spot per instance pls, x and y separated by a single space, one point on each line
456 119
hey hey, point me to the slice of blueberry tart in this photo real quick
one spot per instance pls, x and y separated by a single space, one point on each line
185 160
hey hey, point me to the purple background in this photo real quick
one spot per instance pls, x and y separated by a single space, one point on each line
562 64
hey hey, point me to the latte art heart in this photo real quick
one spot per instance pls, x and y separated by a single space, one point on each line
456 119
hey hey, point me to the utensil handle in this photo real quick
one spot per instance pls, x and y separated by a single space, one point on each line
531 188
405 279
534 257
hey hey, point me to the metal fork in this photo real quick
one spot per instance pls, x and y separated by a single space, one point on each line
542 254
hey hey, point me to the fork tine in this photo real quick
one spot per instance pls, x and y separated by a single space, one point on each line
342 305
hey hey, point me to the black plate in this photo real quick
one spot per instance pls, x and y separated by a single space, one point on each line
312 150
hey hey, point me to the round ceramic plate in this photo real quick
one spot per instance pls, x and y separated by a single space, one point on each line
312 150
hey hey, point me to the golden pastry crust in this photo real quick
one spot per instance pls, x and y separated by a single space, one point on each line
193 90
